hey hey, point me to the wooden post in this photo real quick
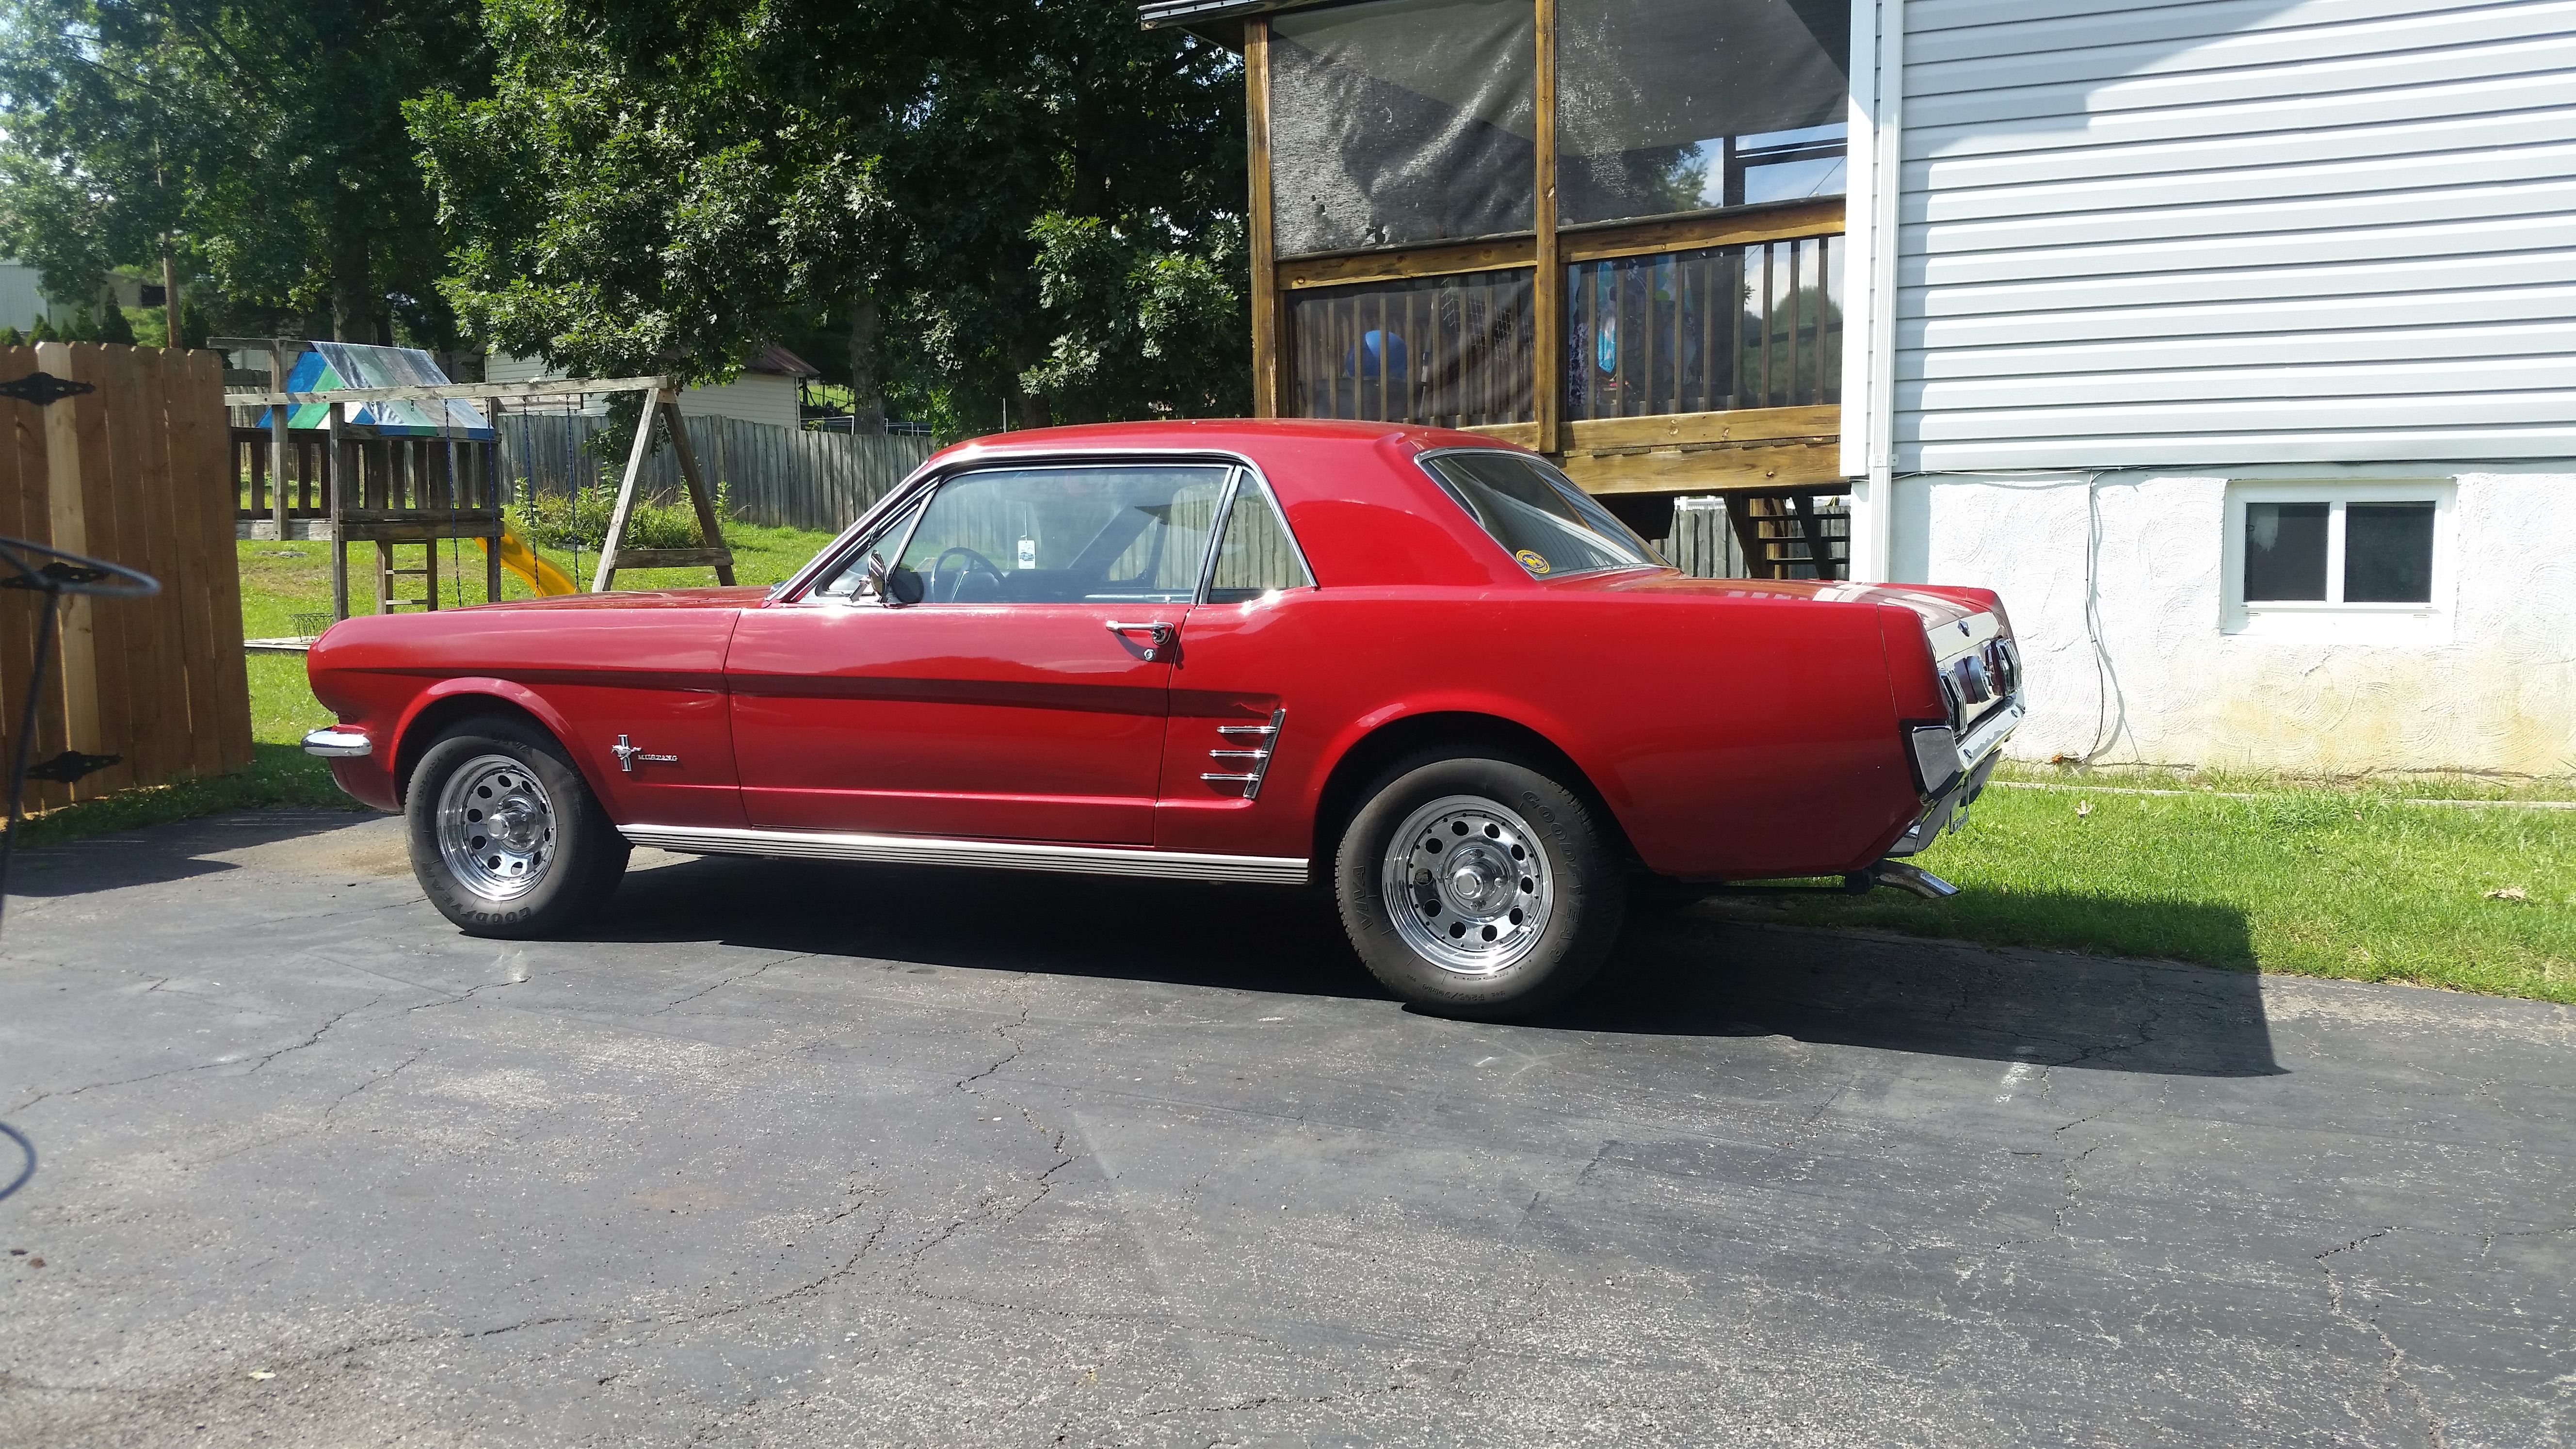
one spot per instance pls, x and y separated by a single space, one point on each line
1547 286
1265 261
495 473
709 527
277 439
67 518
609 546
335 499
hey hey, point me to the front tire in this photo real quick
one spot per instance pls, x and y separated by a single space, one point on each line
506 838
1478 887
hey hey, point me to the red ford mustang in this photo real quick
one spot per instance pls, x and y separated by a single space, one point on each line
1412 662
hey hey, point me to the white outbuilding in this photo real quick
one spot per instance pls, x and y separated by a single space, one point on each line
767 389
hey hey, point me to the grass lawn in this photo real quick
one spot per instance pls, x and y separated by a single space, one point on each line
2359 884
288 585
2239 873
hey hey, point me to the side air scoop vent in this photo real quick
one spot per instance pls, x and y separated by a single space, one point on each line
1247 748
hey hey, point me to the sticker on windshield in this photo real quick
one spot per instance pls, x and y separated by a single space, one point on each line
1530 560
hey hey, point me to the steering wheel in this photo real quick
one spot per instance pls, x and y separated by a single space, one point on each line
945 586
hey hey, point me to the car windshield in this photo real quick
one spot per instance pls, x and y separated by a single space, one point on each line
1547 524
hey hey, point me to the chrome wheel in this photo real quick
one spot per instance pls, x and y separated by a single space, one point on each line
496 828
1466 885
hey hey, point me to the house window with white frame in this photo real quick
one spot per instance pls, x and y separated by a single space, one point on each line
2320 550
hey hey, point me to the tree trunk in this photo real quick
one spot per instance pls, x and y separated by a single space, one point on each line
355 308
1028 409
169 297
867 394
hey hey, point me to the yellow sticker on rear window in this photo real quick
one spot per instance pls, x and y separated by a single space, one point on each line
1530 560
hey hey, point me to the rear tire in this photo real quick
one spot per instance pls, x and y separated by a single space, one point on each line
506 838
1478 887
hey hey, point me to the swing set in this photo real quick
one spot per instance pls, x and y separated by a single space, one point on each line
420 464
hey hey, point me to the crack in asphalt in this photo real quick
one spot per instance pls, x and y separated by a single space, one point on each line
730 980
387 1076
318 1033
2436 1431
17 1108
1003 1030
2073 1185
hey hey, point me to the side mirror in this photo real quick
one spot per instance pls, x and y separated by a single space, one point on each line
894 587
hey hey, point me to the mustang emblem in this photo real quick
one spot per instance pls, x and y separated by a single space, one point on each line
627 755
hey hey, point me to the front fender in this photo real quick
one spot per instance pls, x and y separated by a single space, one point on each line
509 691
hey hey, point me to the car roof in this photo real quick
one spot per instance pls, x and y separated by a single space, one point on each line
1362 513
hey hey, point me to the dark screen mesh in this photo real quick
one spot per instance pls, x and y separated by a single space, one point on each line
1401 121
2285 551
2388 553
1680 105
1451 351
1757 326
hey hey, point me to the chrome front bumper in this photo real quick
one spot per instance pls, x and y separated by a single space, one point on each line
1955 770
335 743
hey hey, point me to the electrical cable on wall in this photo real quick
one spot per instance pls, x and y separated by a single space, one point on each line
2110 707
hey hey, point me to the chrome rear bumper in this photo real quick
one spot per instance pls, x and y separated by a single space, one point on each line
1970 762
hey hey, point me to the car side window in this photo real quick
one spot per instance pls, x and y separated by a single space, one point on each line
1548 525
1097 533
1255 555
849 580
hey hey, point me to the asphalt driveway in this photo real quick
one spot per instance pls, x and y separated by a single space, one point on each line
802 1155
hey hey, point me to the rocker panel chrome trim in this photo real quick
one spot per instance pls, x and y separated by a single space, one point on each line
984 854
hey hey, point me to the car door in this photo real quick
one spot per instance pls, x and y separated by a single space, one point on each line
1022 696
1244 695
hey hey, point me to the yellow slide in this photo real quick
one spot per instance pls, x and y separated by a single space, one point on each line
528 564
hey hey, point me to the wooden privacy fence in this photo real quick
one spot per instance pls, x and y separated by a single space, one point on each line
135 472
779 477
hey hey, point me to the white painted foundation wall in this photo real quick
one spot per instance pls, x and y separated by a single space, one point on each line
2493 689
2132 252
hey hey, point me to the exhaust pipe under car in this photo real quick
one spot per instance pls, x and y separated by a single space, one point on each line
1913 879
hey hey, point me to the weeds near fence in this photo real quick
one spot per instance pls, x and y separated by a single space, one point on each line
580 520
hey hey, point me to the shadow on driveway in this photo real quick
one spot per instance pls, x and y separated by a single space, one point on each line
1686 976
1694 974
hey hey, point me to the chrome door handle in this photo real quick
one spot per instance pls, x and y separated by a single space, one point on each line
1161 634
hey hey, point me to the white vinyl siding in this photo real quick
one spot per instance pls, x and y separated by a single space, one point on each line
2235 231
22 296
754 397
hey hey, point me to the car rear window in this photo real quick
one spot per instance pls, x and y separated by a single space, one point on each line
1543 521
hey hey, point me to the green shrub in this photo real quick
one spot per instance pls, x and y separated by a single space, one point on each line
581 521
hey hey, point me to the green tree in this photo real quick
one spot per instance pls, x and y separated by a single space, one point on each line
1031 203
1075 184
259 141
659 186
